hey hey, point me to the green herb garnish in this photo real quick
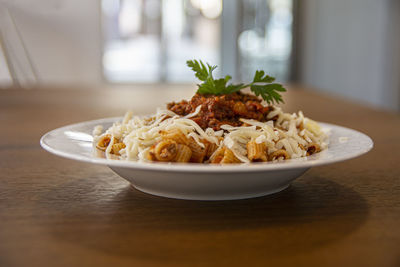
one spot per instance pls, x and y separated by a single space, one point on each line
261 85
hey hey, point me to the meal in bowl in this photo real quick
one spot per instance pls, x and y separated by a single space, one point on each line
219 124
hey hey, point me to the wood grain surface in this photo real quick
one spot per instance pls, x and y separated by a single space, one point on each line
58 212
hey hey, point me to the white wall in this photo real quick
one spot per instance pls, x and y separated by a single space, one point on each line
5 77
63 38
351 48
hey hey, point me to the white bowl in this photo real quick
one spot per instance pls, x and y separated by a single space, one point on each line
205 181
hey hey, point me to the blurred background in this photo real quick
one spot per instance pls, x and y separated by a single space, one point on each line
348 48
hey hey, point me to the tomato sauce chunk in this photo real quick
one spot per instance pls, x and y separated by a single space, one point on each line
217 110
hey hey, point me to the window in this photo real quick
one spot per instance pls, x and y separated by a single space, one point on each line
265 41
150 40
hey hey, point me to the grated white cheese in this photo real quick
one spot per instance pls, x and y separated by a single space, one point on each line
140 133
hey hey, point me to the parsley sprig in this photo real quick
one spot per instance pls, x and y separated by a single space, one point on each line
262 84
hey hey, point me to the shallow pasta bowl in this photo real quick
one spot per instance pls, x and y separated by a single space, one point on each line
205 181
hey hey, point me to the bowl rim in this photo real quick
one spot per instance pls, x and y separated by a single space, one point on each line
299 163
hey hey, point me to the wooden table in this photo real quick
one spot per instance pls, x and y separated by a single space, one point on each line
58 212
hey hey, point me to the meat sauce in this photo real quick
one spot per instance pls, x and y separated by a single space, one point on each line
222 109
